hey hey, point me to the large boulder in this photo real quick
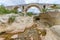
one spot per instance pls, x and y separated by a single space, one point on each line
56 29
50 35
19 24
55 16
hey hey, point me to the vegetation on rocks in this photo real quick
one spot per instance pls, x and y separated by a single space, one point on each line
11 19
55 6
43 18
44 10
29 13
3 10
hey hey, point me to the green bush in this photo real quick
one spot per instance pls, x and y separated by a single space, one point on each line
43 10
29 13
21 14
3 10
14 11
11 19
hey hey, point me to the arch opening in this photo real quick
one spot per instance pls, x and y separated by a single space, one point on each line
37 6
33 8
19 10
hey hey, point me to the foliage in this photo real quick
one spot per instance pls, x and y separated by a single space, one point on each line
3 10
11 19
44 10
29 13
21 14
55 6
14 11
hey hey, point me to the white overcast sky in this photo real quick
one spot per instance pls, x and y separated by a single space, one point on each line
17 2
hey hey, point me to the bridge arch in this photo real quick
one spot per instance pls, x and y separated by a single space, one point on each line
32 5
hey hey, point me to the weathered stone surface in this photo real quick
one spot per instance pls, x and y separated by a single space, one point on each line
32 28
20 23
50 35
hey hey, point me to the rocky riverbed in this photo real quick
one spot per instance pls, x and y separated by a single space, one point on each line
28 28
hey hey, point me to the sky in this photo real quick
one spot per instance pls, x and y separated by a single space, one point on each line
43 1
34 10
19 2
11 2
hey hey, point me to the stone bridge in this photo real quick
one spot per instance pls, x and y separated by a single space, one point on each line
25 7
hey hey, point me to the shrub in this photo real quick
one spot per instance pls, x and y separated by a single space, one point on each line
29 13
3 10
11 19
